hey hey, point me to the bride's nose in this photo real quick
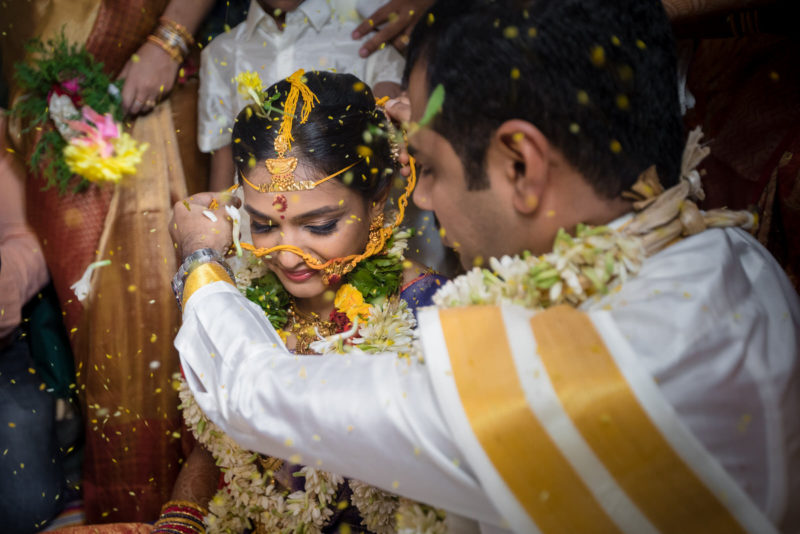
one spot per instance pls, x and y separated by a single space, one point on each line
288 260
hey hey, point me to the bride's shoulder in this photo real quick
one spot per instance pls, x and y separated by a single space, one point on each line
420 283
412 270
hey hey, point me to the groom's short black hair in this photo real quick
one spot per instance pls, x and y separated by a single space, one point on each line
598 78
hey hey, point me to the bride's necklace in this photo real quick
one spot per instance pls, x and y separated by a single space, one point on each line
307 327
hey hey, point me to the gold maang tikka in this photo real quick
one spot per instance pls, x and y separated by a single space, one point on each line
282 168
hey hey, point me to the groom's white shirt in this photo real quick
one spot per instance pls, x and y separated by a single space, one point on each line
712 319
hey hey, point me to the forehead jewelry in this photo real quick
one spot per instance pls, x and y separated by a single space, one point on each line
282 170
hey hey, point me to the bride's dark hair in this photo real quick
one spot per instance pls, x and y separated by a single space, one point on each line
343 127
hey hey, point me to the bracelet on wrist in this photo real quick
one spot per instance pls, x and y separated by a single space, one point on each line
181 517
204 256
173 51
179 29
173 38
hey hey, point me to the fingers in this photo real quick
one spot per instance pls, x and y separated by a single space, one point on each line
136 106
208 198
376 19
401 41
124 72
147 80
385 34
3 130
128 92
399 109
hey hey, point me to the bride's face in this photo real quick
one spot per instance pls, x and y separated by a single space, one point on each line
329 221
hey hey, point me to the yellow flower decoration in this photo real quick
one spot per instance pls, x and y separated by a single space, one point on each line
350 301
249 84
284 335
87 159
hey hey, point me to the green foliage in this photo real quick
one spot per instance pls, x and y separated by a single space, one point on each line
55 62
269 293
434 107
377 277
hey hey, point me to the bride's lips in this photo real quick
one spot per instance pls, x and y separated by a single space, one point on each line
300 275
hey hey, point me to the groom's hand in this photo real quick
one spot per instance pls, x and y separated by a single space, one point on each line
399 111
193 226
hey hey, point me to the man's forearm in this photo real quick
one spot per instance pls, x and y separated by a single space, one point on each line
370 417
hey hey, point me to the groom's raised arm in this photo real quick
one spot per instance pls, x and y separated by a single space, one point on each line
370 417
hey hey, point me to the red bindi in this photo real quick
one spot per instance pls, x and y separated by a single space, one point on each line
280 203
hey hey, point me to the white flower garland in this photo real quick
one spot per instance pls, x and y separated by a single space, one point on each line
252 499
579 267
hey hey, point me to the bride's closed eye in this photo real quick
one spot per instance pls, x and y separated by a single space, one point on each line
260 228
323 229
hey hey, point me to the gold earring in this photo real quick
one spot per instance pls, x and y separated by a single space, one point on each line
375 228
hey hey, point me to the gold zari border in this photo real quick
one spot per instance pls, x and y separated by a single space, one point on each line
203 275
531 465
607 413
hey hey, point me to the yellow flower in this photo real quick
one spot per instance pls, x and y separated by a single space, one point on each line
350 301
284 335
87 160
249 83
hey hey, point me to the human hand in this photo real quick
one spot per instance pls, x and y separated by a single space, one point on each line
192 228
399 111
149 76
9 162
5 146
398 18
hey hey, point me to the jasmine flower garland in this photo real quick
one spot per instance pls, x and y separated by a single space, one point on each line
381 322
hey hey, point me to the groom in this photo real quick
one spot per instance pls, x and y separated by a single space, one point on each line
670 404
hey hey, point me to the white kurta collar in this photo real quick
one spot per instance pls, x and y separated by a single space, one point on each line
255 16
318 12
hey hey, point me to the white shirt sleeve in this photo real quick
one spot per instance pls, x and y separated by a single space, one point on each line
216 97
370 417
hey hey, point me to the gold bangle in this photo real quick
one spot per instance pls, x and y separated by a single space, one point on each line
173 51
172 38
179 28
186 523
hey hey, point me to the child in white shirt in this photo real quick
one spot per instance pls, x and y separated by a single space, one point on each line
277 38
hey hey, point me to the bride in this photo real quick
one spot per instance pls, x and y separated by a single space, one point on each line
314 156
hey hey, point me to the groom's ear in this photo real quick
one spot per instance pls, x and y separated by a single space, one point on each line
521 154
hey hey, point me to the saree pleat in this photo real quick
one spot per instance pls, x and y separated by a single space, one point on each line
122 335
133 435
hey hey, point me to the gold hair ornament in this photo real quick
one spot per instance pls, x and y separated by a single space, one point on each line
282 168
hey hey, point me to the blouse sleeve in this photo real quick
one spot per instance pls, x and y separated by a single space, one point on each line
419 292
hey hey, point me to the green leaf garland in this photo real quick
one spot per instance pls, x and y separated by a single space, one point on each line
56 61
269 293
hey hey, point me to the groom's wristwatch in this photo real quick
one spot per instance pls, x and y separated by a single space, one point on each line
204 257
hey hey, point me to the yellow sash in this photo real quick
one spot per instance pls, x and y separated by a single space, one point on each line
626 476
